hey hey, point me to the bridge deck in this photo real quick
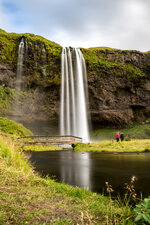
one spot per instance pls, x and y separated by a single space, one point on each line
51 140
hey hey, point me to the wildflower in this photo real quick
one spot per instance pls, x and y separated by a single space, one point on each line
130 188
109 187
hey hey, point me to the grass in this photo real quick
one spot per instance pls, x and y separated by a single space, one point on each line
40 148
26 198
113 146
136 131
13 128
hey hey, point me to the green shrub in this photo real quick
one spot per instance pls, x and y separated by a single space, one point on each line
143 212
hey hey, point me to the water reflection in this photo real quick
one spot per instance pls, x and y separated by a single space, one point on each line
92 170
73 169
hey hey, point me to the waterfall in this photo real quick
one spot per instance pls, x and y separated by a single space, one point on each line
20 64
26 51
74 95
44 60
16 106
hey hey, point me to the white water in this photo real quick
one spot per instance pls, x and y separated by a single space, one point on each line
73 109
72 94
26 53
16 106
44 60
20 64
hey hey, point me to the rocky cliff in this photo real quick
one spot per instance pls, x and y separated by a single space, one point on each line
119 81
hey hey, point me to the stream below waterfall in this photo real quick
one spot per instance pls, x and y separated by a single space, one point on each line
92 170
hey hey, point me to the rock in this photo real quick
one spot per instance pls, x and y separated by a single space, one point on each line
113 118
118 81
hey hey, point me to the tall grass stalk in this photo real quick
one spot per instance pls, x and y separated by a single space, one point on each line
12 157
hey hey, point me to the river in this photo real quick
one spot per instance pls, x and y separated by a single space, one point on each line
92 170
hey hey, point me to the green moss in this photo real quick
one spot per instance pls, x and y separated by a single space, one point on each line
11 127
108 61
35 60
6 97
102 61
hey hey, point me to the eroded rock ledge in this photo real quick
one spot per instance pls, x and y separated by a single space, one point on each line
118 81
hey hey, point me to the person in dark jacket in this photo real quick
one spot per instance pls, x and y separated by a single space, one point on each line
122 137
73 146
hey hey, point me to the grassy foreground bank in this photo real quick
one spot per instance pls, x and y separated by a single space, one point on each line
26 198
113 146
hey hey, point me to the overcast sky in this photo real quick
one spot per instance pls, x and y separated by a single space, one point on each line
123 24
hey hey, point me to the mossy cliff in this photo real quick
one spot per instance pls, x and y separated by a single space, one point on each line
41 76
119 81
119 85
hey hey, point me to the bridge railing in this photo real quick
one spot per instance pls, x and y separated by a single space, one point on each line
51 140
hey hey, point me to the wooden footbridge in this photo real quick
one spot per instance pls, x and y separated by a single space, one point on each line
51 140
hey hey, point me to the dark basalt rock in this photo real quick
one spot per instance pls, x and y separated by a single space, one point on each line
118 81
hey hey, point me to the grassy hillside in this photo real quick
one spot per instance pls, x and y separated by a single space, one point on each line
136 131
13 128
104 61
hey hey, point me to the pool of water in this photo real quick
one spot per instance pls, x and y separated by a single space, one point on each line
92 170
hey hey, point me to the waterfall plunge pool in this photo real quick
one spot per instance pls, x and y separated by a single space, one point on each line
92 170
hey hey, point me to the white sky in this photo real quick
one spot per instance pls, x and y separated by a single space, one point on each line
123 24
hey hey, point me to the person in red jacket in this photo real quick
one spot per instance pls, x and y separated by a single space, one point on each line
117 136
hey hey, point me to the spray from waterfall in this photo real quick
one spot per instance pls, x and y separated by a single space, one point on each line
74 95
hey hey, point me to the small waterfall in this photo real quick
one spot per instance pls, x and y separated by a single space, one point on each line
36 54
73 108
26 50
20 64
44 60
16 106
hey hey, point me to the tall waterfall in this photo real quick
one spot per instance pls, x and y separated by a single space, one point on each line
20 64
73 108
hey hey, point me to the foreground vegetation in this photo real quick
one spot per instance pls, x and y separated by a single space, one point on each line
26 198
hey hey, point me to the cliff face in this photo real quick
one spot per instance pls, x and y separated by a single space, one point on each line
39 96
119 81
119 85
